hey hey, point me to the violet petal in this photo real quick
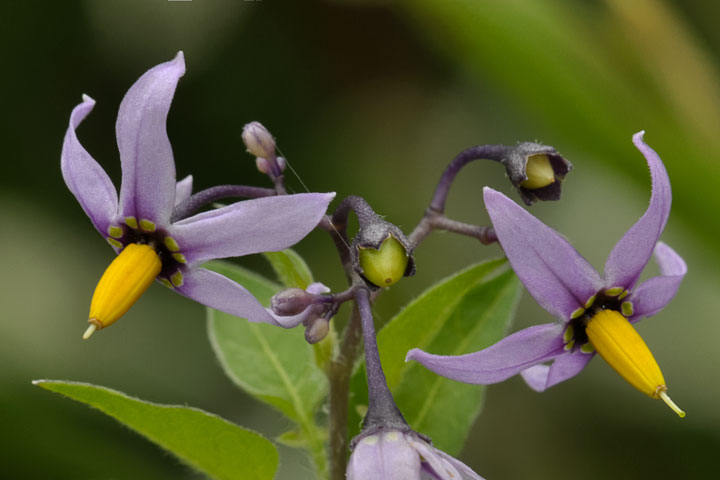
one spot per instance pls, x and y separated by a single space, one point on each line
632 252
85 177
466 473
250 226
148 169
438 466
500 361
221 293
554 273
655 293
183 189
564 367
384 456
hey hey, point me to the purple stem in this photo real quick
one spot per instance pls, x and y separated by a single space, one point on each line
487 152
206 197
382 410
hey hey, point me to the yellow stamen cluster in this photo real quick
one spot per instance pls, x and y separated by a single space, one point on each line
621 346
127 277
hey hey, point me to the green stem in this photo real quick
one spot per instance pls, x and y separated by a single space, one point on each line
316 448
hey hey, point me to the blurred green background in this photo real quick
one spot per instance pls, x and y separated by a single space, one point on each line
370 98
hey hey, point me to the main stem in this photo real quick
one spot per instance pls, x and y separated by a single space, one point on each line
382 410
340 372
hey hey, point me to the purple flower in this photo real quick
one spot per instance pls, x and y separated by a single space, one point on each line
394 455
565 285
149 192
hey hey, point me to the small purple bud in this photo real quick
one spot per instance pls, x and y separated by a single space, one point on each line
263 165
281 163
290 302
258 140
317 330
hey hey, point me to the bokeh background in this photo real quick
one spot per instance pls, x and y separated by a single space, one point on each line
370 98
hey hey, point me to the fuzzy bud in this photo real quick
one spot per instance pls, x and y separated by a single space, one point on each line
258 140
317 330
290 302
263 165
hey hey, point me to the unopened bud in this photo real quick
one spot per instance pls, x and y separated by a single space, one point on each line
258 140
536 171
281 163
263 165
317 330
290 302
539 172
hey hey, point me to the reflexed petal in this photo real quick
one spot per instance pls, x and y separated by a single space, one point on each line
466 473
498 362
653 294
554 273
183 189
221 293
148 169
564 367
251 226
317 288
632 252
85 177
669 261
292 321
434 463
385 456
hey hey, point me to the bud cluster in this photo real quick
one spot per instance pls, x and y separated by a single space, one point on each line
260 142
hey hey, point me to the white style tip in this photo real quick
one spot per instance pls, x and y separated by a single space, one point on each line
90 330
671 404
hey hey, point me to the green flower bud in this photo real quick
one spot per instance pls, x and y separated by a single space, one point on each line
539 172
386 265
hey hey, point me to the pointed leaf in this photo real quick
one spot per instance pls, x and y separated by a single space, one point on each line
444 409
275 365
204 441
425 317
463 313
291 269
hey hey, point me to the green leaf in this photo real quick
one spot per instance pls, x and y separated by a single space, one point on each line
442 408
291 269
204 441
424 318
463 313
275 365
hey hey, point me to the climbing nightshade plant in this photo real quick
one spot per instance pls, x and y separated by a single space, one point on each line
376 425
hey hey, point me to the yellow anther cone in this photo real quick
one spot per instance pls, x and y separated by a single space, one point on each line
615 339
127 277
